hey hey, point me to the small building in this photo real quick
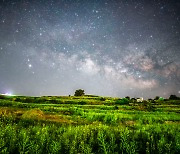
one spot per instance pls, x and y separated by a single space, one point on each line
140 99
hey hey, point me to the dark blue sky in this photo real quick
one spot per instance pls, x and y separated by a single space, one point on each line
112 48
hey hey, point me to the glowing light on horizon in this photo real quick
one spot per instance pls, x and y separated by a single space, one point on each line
8 94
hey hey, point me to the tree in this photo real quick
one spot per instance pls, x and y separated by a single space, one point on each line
79 92
174 97
161 98
128 97
156 98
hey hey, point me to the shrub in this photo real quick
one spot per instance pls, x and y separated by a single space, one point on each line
147 106
128 97
156 98
161 98
122 101
82 102
28 100
174 97
102 99
2 97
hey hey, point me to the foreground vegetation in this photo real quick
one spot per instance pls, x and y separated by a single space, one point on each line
88 124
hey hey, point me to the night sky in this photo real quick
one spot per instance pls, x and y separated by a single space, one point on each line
109 48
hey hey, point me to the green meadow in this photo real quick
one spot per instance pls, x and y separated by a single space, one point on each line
88 124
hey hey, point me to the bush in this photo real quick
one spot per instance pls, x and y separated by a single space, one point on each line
148 106
82 102
28 100
174 97
102 99
156 98
18 99
122 101
2 97
128 97
161 98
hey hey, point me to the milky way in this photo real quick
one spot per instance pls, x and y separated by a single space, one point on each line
110 48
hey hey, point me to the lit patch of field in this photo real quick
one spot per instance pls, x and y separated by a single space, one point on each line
33 114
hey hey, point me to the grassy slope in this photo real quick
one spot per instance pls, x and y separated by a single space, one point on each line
88 125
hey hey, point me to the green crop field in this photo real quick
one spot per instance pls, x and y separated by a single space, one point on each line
88 124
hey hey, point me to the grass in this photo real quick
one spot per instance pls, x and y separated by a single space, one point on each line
88 124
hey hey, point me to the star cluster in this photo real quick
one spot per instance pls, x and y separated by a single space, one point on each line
114 48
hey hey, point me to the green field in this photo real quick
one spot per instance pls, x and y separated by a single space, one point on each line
88 124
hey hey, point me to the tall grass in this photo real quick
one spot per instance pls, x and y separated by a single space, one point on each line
48 126
46 138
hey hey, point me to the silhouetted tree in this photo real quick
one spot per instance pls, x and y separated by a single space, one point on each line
156 98
79 92
127 97
174 97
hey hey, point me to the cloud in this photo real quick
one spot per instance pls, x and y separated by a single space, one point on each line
88 66
139 61
141 83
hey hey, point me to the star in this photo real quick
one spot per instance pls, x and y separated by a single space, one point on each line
104 47
29 65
